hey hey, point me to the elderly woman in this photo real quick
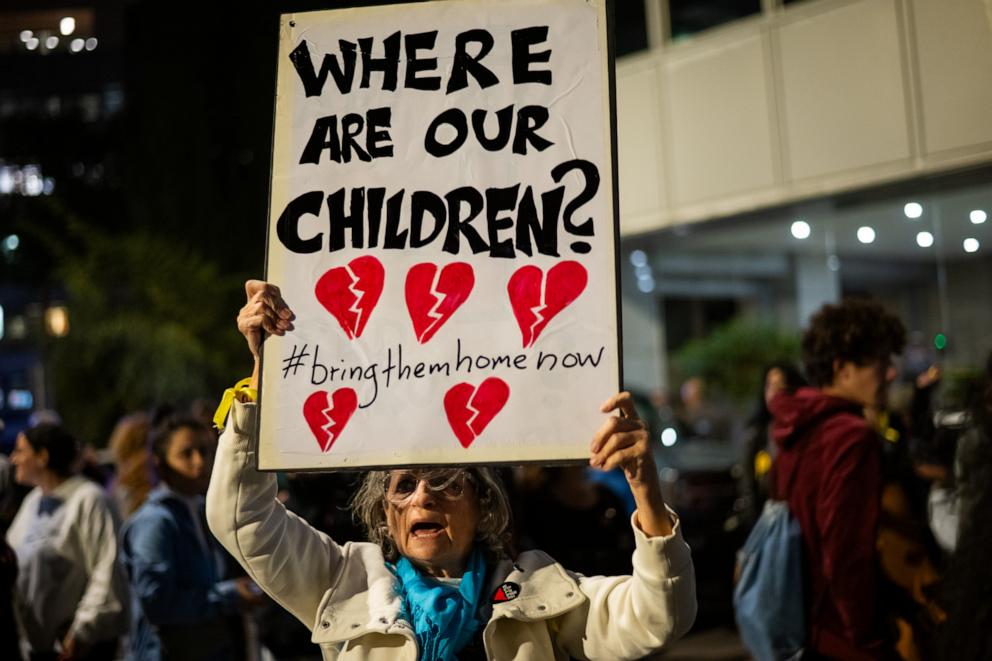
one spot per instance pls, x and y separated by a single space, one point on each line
436 582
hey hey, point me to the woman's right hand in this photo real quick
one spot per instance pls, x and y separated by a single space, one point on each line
265 313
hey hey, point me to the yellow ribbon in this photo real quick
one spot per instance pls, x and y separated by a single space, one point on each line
242 391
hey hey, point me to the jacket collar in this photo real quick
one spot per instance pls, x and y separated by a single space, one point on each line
544 590
377 608
68 487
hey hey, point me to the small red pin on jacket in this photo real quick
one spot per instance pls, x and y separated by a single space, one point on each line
506 592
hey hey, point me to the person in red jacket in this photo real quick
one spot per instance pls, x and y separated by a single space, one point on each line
829 470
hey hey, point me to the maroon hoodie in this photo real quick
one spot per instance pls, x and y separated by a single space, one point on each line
832 458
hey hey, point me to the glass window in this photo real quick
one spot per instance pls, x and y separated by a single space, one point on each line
689 17
732 295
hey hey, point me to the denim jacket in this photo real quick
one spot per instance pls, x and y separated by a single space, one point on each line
180 603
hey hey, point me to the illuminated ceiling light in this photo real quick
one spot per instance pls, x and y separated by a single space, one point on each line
866 234
91 43
913 210
638 258
646 285
52 42
643 271
26 34
669 437
11 243
67 26
978 216
76 45
924 239
32 43
800 229
971 245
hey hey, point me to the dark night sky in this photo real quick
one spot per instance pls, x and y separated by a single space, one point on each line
200 89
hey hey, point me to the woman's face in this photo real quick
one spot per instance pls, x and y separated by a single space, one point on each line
774 383
189 460
433 527
30 466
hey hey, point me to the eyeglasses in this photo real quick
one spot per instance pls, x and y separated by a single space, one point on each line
445 483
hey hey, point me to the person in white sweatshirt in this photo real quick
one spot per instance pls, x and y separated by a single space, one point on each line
71 595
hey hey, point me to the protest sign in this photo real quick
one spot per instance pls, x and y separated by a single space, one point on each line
443 224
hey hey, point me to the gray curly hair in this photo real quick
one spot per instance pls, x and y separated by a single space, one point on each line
495 525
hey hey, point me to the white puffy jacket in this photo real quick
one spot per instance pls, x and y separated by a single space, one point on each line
347 595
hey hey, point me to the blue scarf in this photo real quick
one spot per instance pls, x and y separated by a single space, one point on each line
443 617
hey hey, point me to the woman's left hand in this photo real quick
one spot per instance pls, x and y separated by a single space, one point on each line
624 442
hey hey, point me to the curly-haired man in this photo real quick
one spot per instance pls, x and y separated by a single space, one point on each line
828 468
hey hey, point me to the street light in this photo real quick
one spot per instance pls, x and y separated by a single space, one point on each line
57 321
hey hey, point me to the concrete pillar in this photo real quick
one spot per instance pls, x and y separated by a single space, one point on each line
645 364
817 282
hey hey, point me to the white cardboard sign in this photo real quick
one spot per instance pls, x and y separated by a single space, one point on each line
442 222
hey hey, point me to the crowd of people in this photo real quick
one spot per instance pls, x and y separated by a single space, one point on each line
886 496
139 562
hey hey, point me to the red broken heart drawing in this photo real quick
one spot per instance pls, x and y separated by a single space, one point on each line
470 409
537 298
350 292
432 296
327 416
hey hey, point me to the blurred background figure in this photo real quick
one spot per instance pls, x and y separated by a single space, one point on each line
9 638
968 586
829 470
579 522
11 495
71 594
758 446
699 414
134 474
182 607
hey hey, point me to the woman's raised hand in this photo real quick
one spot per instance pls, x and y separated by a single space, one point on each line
265 313
624 442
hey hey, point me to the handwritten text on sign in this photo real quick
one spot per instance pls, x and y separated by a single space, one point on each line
442 224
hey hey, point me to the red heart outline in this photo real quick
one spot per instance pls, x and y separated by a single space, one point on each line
328 417
563 283
470 409
351 292
431 305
